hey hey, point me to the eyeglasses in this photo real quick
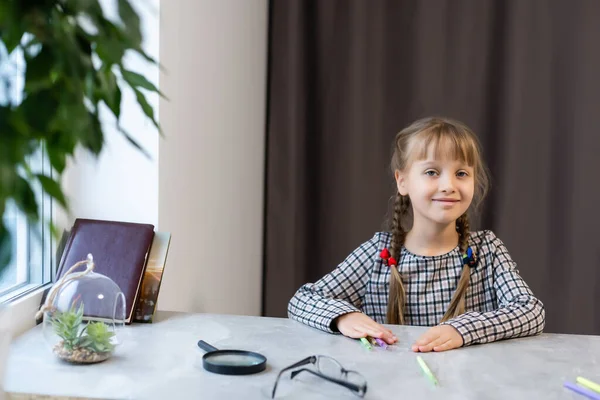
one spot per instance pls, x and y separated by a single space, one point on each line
329 369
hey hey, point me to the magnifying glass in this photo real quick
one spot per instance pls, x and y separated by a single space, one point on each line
231 362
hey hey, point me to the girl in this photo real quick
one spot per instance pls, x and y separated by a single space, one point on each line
430 270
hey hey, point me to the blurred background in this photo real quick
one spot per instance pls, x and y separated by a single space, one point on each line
346 76
278 124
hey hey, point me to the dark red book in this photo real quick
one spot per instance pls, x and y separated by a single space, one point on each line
120 251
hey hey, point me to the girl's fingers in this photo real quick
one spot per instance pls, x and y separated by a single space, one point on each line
377 331
379 327
430 346
362 327
355 333
389 337
371 331
390 340
427 338
445 346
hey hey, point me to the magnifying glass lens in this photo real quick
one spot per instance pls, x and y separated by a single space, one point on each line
234 360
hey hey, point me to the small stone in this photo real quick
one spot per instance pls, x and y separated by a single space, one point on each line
79 355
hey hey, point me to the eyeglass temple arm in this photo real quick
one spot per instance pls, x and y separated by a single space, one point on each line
307 360
345 384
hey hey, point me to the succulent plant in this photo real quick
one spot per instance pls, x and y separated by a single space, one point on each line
95 336
98 337
67 326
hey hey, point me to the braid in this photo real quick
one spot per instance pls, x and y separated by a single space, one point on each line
457 304
397 296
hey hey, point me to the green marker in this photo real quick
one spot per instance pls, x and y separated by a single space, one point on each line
588 384
366 343
426 370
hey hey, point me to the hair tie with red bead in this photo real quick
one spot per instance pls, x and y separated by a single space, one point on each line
468 259
387 258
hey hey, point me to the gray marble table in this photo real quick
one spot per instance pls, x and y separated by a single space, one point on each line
162 361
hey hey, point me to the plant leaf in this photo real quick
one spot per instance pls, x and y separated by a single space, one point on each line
131 20
58 157
135 144
150 59
12 31
84 342
110 44
109 90
146 107
5 247
139 81
79 313
53 188
93 138
99 335
116 99
37 75
39 109
110 51
25 198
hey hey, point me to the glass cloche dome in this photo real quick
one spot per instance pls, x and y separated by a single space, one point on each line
84 315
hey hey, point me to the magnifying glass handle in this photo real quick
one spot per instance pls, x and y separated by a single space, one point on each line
206 347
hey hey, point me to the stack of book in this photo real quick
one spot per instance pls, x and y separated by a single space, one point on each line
131 254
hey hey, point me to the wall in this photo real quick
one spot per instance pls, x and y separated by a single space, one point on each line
121 184
212 159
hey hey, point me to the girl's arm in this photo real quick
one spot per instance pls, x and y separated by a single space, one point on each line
519 312
337 293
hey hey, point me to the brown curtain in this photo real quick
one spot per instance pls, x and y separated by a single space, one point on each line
345 76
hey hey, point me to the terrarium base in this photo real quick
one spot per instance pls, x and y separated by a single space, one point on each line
78 355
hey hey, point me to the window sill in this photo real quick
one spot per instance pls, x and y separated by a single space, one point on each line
23 309
19 291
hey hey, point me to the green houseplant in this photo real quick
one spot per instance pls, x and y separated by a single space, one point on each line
73 63
80 342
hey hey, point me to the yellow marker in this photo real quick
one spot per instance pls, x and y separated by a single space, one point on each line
426 370
588 384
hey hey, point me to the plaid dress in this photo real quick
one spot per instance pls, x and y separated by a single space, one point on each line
498 304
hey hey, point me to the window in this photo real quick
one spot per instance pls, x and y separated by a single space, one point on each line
14 225
31 265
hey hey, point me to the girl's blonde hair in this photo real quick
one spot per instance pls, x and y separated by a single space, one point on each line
448 138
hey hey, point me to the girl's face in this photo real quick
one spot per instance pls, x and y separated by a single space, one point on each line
440 188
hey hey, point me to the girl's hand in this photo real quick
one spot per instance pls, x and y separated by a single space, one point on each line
438 338
357 325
